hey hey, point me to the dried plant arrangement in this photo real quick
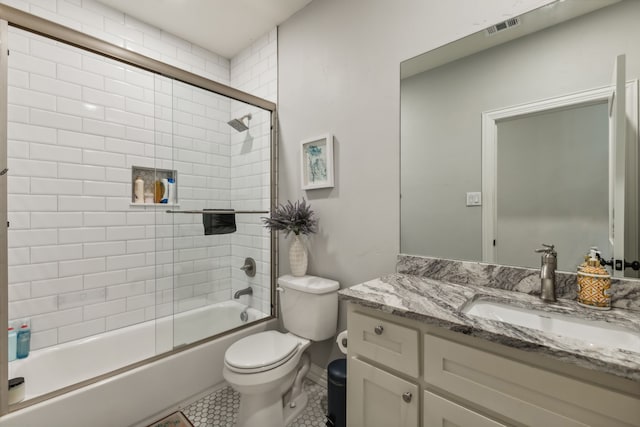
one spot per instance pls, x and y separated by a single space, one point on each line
292 217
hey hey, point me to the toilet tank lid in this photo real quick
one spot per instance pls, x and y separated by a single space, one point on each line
309 284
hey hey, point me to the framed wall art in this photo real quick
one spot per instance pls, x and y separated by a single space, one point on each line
317 162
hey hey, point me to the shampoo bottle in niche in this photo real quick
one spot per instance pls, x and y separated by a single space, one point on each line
23 341
148 197
138 190
172 191
165 195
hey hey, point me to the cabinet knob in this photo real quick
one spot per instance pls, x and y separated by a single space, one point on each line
378 330
406 396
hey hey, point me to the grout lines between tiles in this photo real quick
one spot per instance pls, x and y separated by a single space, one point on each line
219 409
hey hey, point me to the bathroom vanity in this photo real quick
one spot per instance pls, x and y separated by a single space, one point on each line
418 357
459 343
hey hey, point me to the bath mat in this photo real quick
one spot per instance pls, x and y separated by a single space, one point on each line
177 419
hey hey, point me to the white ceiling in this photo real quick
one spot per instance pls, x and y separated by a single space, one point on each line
225 27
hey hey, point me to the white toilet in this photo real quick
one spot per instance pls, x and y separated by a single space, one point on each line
268 368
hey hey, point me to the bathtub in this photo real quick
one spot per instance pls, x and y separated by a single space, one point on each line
178 376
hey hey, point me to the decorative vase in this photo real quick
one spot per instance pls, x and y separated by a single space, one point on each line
298 256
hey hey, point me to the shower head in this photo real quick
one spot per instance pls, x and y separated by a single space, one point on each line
238 124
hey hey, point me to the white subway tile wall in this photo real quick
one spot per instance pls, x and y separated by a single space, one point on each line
82 261
254 70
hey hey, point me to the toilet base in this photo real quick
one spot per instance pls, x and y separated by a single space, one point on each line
267 411
290 413
261 410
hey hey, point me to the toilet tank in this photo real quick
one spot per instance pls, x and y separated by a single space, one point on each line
309 306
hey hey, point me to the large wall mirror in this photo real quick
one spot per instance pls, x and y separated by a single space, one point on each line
526 133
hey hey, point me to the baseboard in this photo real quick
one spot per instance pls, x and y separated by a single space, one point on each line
318 375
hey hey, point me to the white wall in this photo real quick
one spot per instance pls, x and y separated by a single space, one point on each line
339 72
255 69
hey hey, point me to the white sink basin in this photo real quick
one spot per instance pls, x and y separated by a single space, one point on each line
594 333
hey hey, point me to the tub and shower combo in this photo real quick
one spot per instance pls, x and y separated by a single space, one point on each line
52 368
132 302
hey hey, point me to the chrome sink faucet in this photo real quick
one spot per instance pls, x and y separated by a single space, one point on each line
548 264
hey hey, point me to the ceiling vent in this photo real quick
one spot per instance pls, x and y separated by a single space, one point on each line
502 26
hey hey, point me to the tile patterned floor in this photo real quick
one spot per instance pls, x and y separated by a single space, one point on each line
219 409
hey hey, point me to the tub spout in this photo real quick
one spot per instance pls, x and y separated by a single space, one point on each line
245 291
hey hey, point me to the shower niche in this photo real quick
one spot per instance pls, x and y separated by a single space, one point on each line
159 186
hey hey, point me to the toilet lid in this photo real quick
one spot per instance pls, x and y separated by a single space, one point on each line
260 352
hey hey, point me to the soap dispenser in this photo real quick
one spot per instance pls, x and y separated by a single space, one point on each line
23 341
594 284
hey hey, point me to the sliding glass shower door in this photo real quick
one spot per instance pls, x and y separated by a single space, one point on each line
221 253
113 173
83 258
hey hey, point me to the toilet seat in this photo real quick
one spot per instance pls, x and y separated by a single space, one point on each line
261 352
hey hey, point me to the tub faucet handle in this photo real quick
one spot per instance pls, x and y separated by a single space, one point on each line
249 267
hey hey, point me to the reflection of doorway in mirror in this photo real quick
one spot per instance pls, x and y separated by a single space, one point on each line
546 179
552 185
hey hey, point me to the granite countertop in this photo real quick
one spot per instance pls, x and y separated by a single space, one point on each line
440 303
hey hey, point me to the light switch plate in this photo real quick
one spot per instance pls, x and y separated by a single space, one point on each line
474 198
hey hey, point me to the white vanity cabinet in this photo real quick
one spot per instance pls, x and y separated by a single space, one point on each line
404 372
523 393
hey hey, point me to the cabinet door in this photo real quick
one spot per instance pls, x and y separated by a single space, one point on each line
376 398
439 412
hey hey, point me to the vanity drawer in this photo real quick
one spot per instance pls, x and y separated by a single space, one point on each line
439 412
524 393
387 343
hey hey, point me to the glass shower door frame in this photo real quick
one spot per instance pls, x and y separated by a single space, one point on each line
10 16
